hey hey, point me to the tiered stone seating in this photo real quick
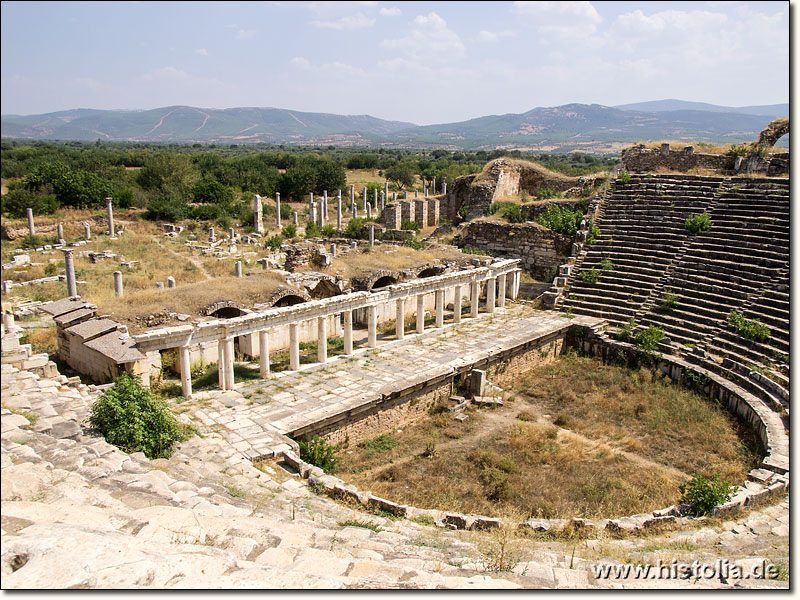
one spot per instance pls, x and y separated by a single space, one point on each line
642 231
742 254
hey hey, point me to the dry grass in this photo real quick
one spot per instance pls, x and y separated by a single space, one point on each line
702 147
355 264
362 177
189 298
42 340
621 445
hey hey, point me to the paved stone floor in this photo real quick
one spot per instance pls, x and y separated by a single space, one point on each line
254 417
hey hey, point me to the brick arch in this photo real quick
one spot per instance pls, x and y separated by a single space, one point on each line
773 132
383 276
287 297
225 304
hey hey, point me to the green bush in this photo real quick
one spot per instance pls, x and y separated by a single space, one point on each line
414 243
624 177
286 211
561 219
319 453
546 194
627 330
606 265
382 443
274 242
594 233
18 200
698 223
354 228
473 250
648 339
290 231
704 493
590 276
752 329
509 211
408 225
328 231
131 418
668 301
313 230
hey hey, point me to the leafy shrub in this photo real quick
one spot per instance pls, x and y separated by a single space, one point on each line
668 301
286 211
627 330
752 329
590 276
290 231
274 242
354 228
624 177
313 230
704 493
698 223
606 265
414 243
545 194
382 443
408 225
17 202
319 453
473 250
509 211
648 339
132 419
593 234
328 231
561 219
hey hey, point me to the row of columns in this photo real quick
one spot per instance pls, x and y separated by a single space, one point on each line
226 345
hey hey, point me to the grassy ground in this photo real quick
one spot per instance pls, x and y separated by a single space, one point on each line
580 439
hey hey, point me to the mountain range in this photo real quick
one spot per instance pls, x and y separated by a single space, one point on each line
587 127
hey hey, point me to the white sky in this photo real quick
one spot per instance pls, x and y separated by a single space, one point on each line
424 62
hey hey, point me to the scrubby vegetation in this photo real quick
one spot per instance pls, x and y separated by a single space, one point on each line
561 219
704 493
130 417
698 223
752 329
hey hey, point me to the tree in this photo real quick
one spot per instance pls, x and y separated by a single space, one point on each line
210 191
330 176
401 174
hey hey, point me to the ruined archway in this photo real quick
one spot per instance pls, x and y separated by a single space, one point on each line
772 133
225 309
287 297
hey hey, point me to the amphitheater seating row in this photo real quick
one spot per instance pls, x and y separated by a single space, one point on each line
740 264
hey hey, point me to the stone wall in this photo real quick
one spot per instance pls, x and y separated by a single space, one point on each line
638 159
540 249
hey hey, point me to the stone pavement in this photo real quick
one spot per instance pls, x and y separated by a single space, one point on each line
78 512
257 416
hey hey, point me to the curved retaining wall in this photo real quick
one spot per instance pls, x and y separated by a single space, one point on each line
770 479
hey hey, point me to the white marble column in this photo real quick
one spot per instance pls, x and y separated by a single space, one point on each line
322 339
294 348
263 353
457 304
348 332
229 356
221 351
186 371
439 309
501 290
278 208
400 319
474 298
491 285
69 264
339 211
31 228
118 284
110 211
420 313
372 326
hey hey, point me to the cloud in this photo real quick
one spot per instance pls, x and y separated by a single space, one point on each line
348 22
392 11
201 52
429 40
299 61
245 34
493 36
568 21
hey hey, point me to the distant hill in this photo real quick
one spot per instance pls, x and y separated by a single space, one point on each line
767 110
575 126
587 127
189 124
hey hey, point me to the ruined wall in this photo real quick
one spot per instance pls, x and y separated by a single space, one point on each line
638 159
539 248
507 184
457 194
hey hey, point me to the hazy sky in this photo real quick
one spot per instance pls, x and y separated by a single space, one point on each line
424 62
